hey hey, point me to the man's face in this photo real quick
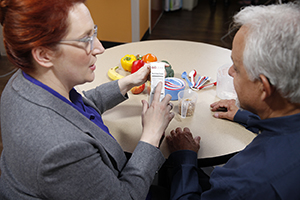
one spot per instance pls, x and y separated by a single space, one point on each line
247 91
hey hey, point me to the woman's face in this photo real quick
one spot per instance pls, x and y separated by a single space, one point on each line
75 63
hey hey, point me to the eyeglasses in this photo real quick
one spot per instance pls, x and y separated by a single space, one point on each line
89 41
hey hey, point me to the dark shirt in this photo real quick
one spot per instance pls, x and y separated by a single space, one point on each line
268 168
244 118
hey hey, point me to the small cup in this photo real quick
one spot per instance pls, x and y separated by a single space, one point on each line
225 88
187 102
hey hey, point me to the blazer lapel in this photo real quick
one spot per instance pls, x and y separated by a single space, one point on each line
39 96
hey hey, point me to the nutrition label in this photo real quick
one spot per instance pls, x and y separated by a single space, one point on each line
157 75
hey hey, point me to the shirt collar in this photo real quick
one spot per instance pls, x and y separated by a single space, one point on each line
285 124
33 80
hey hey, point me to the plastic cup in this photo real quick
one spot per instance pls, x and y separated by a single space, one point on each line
187 102
225 88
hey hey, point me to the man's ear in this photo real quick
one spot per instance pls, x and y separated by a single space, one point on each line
43 56
267 88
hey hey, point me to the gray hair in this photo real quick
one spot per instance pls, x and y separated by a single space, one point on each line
272 46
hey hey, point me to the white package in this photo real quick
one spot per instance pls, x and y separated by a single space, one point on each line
157 75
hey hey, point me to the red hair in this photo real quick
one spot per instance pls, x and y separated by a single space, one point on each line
32 23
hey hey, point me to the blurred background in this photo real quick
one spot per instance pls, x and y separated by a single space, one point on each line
137 20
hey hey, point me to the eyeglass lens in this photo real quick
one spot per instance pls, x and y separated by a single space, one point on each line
93 38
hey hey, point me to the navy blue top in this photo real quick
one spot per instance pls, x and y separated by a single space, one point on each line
268 168
243 117
76 102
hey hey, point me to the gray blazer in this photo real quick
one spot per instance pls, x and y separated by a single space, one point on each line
51 151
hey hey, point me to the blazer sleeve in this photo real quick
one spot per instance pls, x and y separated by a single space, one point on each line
77 170
105 96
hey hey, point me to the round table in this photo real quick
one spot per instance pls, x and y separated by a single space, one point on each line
218 137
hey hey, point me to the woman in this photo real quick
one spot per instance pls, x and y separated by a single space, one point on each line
55 143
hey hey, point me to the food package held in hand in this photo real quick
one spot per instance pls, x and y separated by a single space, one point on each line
157 75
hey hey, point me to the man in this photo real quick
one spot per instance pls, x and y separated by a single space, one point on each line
266 73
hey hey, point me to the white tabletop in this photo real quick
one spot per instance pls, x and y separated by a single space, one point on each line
219 137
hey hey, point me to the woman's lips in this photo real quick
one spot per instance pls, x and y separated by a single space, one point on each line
93 67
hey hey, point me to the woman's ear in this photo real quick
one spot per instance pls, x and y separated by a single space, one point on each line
267 88
42 56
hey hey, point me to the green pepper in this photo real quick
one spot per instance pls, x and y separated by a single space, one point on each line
169 70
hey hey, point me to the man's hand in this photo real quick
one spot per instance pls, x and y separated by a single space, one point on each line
224 109
183 140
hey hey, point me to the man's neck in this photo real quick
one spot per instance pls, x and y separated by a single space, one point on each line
277 106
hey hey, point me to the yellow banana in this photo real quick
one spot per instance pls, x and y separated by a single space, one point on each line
113 74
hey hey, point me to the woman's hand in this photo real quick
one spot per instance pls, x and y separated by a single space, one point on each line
224 109
156 117
135 79
141 76
183 140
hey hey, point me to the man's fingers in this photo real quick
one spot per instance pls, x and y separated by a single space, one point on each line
186 129
197 139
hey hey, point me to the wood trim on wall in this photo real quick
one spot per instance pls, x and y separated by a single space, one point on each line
113 18
135 20
120 21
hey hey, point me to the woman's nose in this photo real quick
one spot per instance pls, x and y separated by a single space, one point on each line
98 47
